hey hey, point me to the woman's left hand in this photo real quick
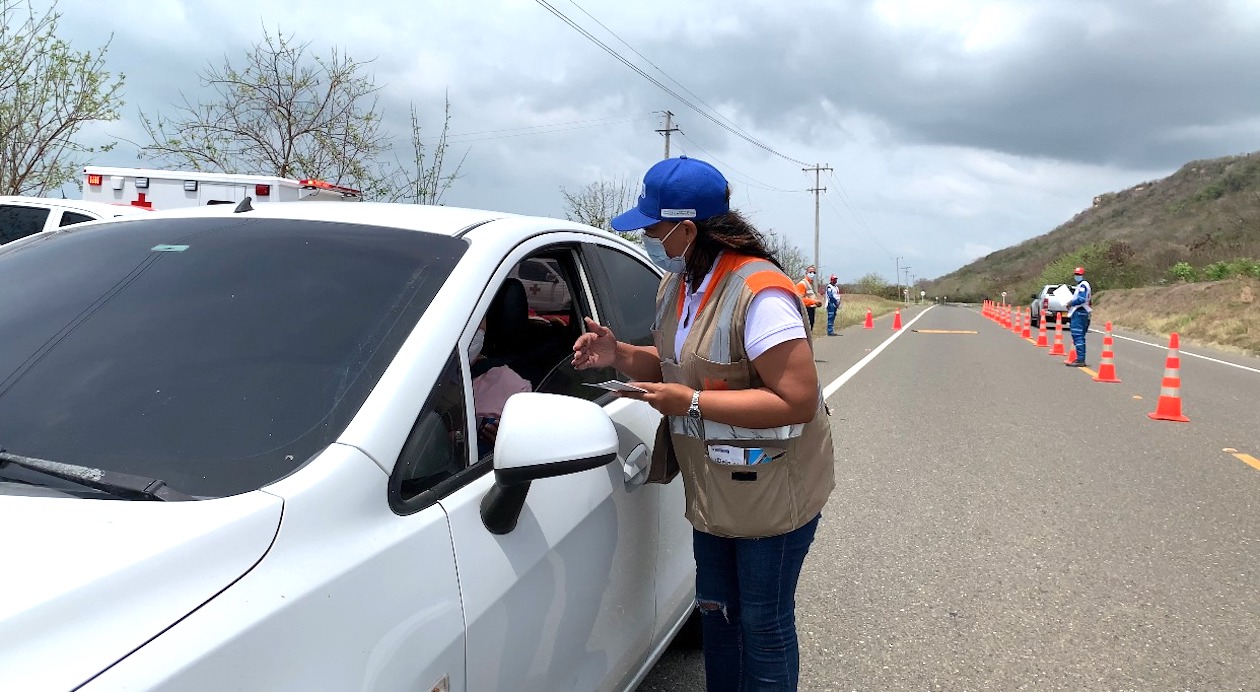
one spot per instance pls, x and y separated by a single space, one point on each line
669 398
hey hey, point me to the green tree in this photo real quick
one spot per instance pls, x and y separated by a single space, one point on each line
48 92
1183 271
872 284
284 112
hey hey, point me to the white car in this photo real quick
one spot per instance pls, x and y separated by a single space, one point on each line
23 216
238 455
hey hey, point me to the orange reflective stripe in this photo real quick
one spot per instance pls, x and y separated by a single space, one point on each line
728 263
768 279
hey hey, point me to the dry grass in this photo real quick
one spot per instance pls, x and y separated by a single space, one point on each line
1222 314
852 312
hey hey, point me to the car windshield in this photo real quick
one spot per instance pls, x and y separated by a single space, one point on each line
218 354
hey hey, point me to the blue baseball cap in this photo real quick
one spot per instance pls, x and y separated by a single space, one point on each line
680 188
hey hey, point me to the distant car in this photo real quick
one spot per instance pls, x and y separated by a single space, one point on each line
1044 303
23 216
239 452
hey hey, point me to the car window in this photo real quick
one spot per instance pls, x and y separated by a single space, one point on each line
69 218
218 354
438 446
625 291
628 298
18 222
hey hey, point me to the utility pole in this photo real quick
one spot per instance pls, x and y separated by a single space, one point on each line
667 130
817 190
897 275
907 294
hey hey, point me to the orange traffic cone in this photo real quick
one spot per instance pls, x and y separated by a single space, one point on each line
1057 349
1107 363
1016 325
1071 356
1027 319
870 323
897 320
1041 334
1169 406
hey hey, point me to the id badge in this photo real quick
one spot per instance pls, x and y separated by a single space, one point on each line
739 456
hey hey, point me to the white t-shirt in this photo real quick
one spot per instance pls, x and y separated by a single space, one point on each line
773 318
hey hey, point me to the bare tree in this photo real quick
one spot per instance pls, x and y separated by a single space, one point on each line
48 92
285 113
595 204
420 181
791 258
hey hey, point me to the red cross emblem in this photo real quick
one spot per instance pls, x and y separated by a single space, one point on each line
142 202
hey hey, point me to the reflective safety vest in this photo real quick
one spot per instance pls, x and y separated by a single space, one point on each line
805 289
739 482
1082 289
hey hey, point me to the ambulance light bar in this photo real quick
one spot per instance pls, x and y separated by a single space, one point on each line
95 178
311 183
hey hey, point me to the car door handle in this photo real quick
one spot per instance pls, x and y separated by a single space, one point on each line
635 467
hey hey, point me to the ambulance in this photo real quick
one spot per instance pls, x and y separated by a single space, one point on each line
158 189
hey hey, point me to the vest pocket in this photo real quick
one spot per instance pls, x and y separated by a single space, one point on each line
711 375
752 499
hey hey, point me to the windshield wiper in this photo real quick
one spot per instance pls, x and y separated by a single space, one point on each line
123 485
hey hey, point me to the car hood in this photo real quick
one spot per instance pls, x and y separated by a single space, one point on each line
86 582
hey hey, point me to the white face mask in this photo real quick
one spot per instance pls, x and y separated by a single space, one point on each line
656 251
811 274
474 347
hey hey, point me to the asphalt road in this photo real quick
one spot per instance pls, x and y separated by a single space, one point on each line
1002 522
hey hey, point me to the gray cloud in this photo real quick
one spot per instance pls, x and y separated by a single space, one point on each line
952 127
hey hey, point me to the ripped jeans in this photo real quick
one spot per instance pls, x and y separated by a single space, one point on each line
746 593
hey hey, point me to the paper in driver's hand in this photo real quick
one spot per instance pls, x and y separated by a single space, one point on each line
615 386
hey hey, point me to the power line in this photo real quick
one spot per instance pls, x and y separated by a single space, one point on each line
755 183
857 231
844 197
654 65
729 128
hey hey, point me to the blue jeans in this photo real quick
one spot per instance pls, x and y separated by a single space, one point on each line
831 319
746 593
1080 327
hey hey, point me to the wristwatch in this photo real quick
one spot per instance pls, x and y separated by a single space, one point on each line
694 410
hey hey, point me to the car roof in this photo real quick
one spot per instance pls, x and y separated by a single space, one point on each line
96 208
419 217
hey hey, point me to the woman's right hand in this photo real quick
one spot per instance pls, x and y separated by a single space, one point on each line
597 348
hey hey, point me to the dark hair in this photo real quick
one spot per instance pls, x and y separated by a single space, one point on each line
729 231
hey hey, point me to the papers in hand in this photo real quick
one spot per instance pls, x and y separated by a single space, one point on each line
616 386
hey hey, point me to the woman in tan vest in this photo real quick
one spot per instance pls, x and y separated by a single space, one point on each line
732 370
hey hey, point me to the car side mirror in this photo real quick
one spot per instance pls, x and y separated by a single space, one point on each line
543 436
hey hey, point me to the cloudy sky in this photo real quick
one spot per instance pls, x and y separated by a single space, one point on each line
952 128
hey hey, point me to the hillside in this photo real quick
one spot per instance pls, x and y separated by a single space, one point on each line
1221 314
1209 211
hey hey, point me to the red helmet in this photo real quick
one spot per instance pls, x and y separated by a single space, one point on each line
1080 271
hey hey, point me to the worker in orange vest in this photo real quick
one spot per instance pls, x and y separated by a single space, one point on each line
805 289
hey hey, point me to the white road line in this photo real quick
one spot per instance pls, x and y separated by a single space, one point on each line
839 381
1181 351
